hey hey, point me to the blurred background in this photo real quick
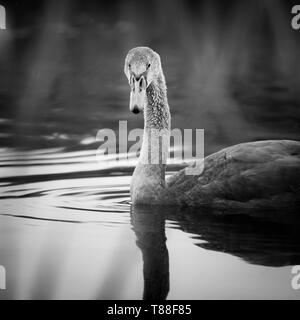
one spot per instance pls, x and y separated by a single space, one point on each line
66 224
231 69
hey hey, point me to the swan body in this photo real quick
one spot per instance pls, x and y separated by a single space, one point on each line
262 174
248 175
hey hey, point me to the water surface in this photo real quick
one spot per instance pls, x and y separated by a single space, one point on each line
69 234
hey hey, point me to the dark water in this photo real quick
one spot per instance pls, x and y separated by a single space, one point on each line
67 229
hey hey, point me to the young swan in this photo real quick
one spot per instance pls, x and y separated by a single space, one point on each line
149 94
251 175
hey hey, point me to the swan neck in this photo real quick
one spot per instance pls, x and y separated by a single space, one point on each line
157 114
157 118
148 180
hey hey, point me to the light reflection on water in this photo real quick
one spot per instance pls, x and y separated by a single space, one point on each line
75 235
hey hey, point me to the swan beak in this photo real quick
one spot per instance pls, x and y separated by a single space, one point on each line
138 97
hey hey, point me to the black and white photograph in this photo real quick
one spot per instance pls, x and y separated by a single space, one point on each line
149 150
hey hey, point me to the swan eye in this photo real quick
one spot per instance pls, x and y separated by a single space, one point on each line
129 65
148 66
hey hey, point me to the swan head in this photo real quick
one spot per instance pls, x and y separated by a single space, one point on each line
142 67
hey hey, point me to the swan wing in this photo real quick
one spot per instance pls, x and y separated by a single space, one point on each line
244 173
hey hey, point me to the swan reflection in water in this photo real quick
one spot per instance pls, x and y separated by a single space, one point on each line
257 240
149 227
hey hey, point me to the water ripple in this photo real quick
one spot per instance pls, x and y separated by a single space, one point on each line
62 195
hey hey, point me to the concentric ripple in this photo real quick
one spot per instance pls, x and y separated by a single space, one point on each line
44 194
